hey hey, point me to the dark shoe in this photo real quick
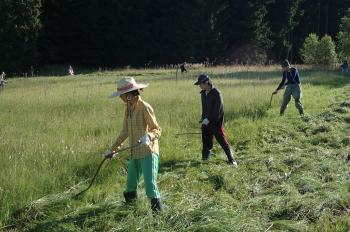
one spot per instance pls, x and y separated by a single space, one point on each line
156 205
130 197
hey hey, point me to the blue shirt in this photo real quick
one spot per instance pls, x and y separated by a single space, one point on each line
291 76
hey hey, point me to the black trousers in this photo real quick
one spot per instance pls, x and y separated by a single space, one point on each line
208 132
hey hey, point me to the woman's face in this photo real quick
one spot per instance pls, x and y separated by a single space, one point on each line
127 97
204 86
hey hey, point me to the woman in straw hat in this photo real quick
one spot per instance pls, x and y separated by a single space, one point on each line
141 127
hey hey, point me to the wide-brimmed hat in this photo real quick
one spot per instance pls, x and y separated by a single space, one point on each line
201 79
125 85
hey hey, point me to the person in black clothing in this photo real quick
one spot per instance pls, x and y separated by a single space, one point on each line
2 80
344 67
212 120
183 67
293 87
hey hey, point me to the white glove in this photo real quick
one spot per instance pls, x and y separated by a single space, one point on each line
145 140
110 154
205 122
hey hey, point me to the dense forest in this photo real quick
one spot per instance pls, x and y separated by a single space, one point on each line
113 33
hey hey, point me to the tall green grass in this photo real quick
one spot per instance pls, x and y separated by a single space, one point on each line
293 173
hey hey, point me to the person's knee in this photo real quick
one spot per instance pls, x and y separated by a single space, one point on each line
283 107
297 101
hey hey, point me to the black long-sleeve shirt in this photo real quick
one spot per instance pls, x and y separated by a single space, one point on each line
292 77
212 106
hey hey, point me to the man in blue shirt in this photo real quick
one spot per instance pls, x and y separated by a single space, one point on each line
293 88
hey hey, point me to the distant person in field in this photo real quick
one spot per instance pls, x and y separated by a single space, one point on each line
183 67
2 79
70 70
141 127
291 75
344 67
212 120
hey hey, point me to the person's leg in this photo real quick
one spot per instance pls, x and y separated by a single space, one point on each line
296 93
149 166
207 140
286 99
220 136
299 106
133 178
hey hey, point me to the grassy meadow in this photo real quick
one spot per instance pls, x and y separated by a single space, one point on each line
293 172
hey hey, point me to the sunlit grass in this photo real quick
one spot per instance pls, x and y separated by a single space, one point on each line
53 131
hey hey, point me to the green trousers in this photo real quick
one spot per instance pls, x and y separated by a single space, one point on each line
295 91
148 167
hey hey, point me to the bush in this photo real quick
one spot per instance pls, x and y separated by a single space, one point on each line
315 51
309 49
326 51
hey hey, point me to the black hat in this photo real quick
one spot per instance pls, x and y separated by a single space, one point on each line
285 64
201 79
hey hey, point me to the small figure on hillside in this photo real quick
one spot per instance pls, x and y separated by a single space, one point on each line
2 79
183 67
293 88
70 70
344 67
32 71
207 62
212 120
141 127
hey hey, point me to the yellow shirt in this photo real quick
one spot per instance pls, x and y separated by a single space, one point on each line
139 119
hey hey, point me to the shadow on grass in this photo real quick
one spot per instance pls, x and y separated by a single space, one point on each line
248 75
84 218
62 70
253 113
333 79
172 165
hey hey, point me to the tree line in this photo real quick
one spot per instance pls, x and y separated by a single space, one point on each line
112 33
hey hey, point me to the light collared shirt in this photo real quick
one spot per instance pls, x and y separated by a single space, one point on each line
139 119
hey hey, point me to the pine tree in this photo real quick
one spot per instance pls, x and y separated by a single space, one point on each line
308 51
326 51
284 16
344 37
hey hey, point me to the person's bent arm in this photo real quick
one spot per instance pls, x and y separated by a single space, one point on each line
123 135
154 130
280 86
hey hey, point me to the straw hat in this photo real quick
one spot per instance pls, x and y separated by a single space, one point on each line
125 85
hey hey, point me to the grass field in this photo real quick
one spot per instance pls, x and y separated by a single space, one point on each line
293 173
